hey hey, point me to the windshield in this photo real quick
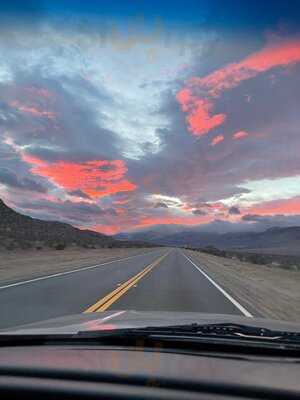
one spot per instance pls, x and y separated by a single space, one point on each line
149 162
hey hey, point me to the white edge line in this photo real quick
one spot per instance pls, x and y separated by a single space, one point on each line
233 301
41 278
116 314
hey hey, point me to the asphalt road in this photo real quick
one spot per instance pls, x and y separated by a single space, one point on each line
162 280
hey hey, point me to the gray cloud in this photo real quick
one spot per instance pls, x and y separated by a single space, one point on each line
199 212
161 205
66 211
73 134
79 193
269 221
234 211
9 178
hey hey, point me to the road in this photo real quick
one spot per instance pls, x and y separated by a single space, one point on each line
161 280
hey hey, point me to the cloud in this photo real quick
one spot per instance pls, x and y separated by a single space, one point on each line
239 135
277 54
289 206
160 205
94 178
197 98
105 229
199 212
9 178
198 119
234 211
127 119
32 110
262 222
76 213
79 193
166 201
174 220
216 140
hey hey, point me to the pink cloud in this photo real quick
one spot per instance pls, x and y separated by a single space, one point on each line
175 220
198 119
199 108
285 206
32 110
279 54
217 139
239 135
105 229
95 178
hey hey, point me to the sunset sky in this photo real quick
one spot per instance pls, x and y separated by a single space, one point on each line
118 115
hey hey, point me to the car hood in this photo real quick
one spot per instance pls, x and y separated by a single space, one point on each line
112 320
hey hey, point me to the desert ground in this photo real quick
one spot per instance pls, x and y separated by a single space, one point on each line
22 265
274 292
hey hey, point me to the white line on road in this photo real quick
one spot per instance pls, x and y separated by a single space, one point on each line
41 278
227 295
112 316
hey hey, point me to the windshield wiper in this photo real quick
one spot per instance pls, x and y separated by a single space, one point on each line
192 333
195 330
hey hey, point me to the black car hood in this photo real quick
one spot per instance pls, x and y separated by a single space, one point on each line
110 320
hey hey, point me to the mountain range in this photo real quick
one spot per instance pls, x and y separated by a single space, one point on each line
274 240
21 231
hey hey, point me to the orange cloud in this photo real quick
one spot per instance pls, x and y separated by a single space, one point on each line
105 229
184 97
199 108
279 54
32 110
198 119
217 139
95 178
239 135
175 220
285 207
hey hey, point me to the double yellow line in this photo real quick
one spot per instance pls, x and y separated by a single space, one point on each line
113 296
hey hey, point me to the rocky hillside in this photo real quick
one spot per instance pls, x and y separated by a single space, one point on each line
18 231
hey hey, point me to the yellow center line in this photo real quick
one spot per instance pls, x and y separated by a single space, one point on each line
109 299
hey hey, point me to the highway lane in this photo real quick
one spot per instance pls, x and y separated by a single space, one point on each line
67 293
164 279
177 285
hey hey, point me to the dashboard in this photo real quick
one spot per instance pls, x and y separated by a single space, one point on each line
111 372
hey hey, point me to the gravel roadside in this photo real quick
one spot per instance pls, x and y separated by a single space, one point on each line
29 264
272 292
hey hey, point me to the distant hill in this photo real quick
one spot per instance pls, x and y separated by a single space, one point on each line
151 234
273 240
20 231
158 232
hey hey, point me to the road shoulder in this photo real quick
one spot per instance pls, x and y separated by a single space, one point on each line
272 292
26 265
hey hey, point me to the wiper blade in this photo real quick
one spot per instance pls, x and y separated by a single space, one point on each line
195 330
241 331
189 332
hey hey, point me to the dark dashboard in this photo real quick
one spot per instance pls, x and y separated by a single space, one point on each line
113 372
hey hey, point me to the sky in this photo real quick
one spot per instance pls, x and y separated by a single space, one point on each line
123 115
